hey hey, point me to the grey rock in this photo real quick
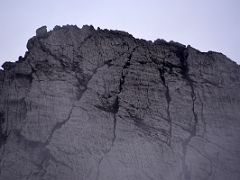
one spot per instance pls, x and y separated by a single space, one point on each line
177 44
41 32
8 65
30 43
86 104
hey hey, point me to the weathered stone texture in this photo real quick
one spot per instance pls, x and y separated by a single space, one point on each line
86 104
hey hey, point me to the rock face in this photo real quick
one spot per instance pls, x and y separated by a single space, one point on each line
86 104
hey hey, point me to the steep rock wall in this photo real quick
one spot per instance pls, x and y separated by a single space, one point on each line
86 104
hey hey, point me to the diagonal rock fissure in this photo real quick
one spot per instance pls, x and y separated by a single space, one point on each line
59 125
44 48
40 151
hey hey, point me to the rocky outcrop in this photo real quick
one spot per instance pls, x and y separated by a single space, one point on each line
86 104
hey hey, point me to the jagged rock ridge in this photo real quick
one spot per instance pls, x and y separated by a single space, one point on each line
88 104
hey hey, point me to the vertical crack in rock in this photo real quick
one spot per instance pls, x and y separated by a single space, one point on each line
202 116
114 108
168 99
161 65
183 55
185 74
126 66
3 131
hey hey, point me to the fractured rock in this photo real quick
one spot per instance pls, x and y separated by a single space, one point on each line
86 104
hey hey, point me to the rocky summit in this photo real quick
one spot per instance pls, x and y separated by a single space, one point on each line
87 104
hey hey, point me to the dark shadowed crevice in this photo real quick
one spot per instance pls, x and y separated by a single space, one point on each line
163 68
183 56
126 66
3 131
120 87
162 72
29 77
114 108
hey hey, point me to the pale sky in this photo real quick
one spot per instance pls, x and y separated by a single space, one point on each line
203 24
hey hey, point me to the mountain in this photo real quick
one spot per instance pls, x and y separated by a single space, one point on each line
86 104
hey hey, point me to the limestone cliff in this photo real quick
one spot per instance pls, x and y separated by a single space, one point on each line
86 104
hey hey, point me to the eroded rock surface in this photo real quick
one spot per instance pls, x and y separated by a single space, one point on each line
86 104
